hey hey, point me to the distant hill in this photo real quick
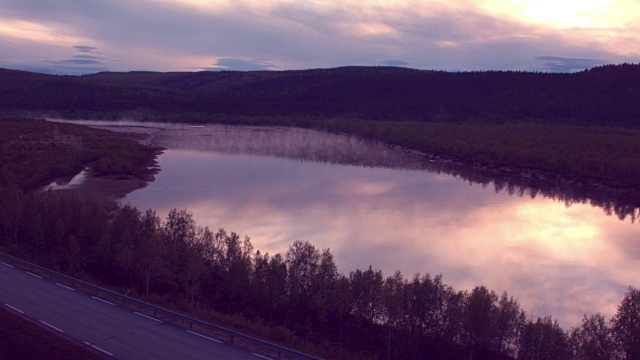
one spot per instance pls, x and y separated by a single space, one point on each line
607 95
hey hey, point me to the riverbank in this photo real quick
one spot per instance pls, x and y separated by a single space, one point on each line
569 163
132 167
522 160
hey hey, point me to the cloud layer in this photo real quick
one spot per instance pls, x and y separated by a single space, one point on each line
278 35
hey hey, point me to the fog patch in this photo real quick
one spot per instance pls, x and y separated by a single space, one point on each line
239 65
393 62
75 181
567 65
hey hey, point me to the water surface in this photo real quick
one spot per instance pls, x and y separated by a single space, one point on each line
379 206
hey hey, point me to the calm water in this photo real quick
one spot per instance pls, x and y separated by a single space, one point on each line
373 205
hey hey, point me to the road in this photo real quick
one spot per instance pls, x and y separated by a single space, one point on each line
112 330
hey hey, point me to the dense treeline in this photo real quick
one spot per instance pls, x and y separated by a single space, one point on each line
605 95
301 293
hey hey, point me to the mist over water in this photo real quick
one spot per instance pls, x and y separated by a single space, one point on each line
75 181
290 143
375 205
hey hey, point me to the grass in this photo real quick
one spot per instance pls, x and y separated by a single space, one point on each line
25 340
606 154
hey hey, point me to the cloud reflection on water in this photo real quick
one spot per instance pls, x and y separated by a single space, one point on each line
558 260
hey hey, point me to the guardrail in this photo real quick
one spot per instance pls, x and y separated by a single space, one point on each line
264 347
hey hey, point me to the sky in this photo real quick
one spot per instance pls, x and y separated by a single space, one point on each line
87 36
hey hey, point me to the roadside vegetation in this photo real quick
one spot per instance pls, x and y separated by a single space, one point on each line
298 298
24 340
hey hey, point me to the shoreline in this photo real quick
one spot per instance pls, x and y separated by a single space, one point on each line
621 200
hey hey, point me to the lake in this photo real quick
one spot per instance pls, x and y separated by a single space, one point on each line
374 205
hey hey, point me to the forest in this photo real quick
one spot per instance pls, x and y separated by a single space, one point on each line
297 298
605 95
578 128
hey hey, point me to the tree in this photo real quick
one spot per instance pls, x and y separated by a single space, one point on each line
191 276
302 263
626 325
393 294
148 252
125 230
180 228
324 286
366 292
592 340
10 212
480 324
344 303
509 318
543 340
276 284
180 234
237 269
33 225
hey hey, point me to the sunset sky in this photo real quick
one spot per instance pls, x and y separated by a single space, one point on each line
86 36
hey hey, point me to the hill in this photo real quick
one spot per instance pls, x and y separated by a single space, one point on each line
604 95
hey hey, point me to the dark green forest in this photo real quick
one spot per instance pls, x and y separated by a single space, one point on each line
605 95
298 298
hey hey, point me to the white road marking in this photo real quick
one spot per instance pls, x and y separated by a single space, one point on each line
32 274
202 336
66 287
99 349
14 308
148 317
5 264
104 301
264 357
51 326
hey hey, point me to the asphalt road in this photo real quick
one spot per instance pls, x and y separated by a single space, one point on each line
112 330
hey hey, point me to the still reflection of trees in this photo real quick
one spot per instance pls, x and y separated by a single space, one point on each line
622 203
315 146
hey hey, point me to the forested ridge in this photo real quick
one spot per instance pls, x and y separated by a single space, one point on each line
298 298
576 127
605 95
